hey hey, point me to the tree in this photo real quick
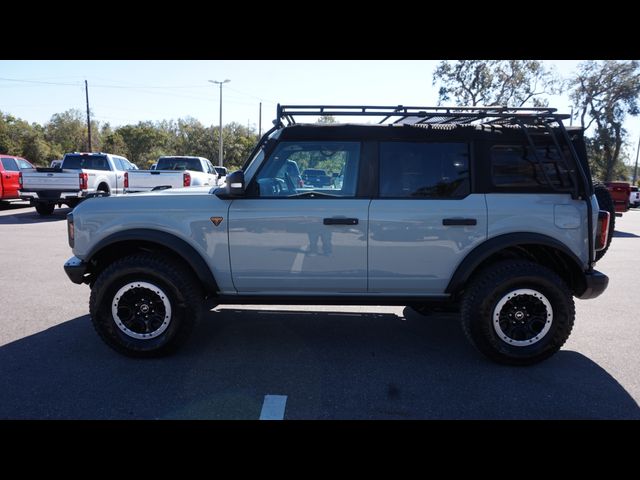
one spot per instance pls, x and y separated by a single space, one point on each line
68 130
604 93
512 83
144 142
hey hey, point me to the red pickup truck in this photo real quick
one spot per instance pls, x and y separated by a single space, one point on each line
620 193
10 167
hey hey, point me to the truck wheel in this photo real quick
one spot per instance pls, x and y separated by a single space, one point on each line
145 305
45 208
606 203
517 312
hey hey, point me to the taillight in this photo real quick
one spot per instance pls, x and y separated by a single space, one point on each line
186 179
602 234
20 178
70 229
84 181
126 179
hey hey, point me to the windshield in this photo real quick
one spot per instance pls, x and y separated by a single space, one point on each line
179 163
88 162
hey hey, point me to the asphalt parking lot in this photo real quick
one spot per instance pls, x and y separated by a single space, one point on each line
331 362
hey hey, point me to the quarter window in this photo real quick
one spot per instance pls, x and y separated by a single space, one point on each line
424 170
518 166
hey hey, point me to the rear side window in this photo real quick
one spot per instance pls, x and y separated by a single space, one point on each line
23 164
119 164
9 164
518 166
424 170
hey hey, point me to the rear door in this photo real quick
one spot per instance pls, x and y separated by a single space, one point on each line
10 177
425 219
288 239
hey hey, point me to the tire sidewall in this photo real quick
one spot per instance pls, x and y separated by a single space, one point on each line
484 333
103 317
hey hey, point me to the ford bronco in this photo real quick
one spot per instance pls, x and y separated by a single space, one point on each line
489 212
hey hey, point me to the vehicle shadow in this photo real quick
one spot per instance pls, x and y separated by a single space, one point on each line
331 365
618 233
13 205
31 216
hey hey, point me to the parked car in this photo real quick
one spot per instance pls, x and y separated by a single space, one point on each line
634 197
81 174
173 172
621 193
487 215
222 174
315 177
10 168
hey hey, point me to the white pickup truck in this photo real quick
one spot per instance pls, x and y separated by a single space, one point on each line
173 172
79 176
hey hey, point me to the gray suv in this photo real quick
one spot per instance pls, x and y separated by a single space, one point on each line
489 212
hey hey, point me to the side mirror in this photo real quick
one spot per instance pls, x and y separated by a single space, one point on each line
335 174
234 184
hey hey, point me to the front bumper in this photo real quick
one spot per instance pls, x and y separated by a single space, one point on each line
597 283
76 270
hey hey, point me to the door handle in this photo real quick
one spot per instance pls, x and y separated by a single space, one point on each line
459 221
340 221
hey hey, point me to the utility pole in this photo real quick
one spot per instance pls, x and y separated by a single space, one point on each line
221 151
635 170
260 121
86 91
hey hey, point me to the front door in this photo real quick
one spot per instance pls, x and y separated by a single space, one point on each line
292 237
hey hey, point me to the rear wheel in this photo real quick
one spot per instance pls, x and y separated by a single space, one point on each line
517 312
606 203
145 305
45 208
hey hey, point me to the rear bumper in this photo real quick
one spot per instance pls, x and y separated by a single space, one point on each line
597 283
52 197
76 270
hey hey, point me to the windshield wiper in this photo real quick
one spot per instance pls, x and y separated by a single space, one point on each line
313 195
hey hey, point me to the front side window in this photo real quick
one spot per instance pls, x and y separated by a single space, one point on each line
309 169
424 170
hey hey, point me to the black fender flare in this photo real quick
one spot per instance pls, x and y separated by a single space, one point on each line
167 240
493 245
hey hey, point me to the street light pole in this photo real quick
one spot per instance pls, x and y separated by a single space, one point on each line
220 142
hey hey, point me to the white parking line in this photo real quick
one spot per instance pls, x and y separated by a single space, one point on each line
273 407
297 263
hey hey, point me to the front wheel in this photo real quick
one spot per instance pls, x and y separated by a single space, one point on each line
145 305
517 312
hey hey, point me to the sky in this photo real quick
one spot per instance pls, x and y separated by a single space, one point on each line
128 91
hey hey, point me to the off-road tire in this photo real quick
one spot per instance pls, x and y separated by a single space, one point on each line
606 203
171 278
493 285
45 209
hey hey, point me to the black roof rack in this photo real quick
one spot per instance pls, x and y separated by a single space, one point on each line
400 114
